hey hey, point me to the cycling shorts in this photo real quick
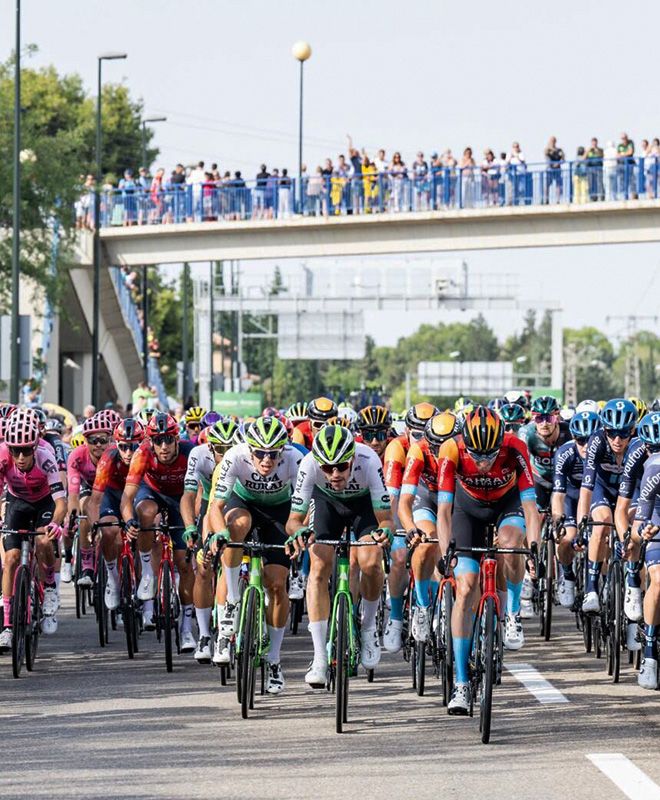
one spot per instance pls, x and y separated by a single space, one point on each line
332 514
471 517
652 555
543 494
85 490
570 510
164 503
425 505
111 503
603 497
270 520
200 520
23 516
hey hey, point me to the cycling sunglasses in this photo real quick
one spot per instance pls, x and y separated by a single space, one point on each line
545 417
262 454
618 433
328 469
21 451
483 458
220 449
581 439
316 424
164 438
416 435
97 441
193 426
127 447
369 434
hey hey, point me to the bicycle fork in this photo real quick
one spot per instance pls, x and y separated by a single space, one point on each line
343 587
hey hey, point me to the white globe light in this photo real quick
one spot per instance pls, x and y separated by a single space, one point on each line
301 50
27 156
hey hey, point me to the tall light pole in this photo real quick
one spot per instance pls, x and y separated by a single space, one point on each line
14 386
97 234
301 51
145 268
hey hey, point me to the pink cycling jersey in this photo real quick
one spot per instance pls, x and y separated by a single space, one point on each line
80 469
36 483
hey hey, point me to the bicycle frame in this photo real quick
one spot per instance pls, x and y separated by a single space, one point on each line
256 583
343 588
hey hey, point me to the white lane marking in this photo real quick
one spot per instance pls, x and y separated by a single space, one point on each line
634 783
535 683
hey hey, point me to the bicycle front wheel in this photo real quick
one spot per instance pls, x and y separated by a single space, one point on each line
420 667
547 583
487 667
447 644
99 603
19 619
343 656
128 607
34 628
166 608
248 638
615 619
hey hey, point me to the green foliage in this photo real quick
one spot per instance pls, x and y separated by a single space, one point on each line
595 355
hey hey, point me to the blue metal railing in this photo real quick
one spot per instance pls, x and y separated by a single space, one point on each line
487 185
155 379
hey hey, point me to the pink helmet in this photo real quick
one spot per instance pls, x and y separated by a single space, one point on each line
21 431
102 422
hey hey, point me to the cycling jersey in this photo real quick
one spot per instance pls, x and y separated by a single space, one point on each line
237 474
395 463
58 448
633 468
541 454
166 479
302 434
366 478
649 492
80 469
33 485
421 466
201 464
569 469
111 472
601 468
510 468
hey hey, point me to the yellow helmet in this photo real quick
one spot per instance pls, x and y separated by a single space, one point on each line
640 406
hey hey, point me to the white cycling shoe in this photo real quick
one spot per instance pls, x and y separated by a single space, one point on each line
51 601
632 604
111 596
526 609
188 643
317 674
591 603
147 588
566 593
297 588
370 649
648 674
203 651
221 651
49 625
6 639
274 678
392 636
227 624
514 638
527 589
421 627
459 705
66 572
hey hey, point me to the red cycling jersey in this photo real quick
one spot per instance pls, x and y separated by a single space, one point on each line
421 465
395 462
510 467
80 469
302 434
111 471
164 478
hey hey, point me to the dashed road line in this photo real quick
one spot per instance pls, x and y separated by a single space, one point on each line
536 684
634 783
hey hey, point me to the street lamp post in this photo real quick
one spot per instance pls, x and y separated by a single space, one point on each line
97 236
16 241
301 51
144 136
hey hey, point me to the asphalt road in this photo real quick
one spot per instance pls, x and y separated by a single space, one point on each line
88 723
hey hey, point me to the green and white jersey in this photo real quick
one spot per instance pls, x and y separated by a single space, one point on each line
201 464
237 474
366 479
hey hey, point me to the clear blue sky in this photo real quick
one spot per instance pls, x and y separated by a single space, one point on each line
424 75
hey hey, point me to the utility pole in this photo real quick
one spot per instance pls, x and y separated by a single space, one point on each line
570 373
185 349
632 380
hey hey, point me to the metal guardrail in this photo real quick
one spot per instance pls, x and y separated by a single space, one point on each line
482 186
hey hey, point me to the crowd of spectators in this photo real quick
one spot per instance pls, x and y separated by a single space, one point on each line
356 183
134 285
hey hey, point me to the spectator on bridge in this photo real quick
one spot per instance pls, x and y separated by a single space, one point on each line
626 166
272 186
610 171
196 180
449 165
516 170
420 171
398 174
357 194
156 197
595 170
580 177
285 202
554 157
143 184
467 166
128 189
380 161
490 179
259 204
316 198
651 156
369 185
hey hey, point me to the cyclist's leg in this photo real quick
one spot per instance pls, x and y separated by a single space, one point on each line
601 511
86 548
110 514
239 522
146 509
12 553
648 674
511 533
397 580
424 559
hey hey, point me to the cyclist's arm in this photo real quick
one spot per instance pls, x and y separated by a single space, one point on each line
128 496
447 463
133 480
296 521
622 515
94 506
649 490
559 481
532 520
557 504
589 477
59 512
409 484
187 506
384 518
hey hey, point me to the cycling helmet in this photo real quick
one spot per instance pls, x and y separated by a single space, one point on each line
7 409
267 433
496 403
162 424
517 396
584 424
321 410
210 418
222 432
54 425
418 415
440 428
102 422
41 416
343 421
374 417
333 445
194 415
463 405
21 431
640 405
270 411
347 415
483 431
648 429
76 440
240 435
129 431
619 414
144 415
655 405
545 405
297 412
587 405
512 414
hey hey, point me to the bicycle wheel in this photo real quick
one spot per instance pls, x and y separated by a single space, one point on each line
447 643
615 632
587 632
248 638
296 613
99 604
420 667
19 619
546 587
77 573
487 667
34 630
343 656
166 604
127 606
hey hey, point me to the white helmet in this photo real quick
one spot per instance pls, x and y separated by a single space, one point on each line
587 405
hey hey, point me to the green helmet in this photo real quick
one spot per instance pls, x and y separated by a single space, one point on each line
512 414
545 405
333 444
297 412
267 433
222 432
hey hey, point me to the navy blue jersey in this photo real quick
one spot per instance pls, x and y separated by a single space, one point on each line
568 470
600 465
633 468
649 493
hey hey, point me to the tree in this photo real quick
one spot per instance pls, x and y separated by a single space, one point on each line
595 355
